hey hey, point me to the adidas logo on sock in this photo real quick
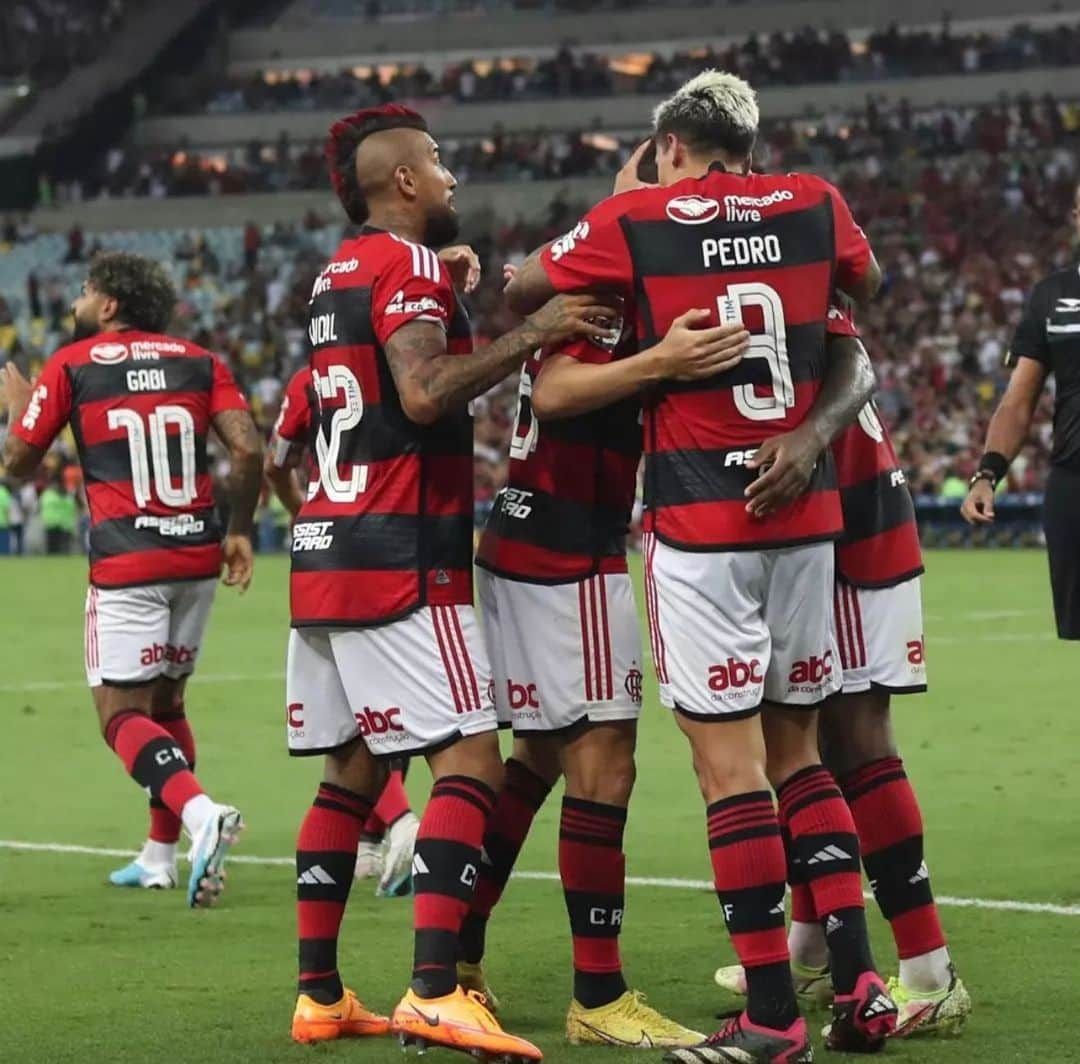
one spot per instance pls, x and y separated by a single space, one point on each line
920 875
317 876
833 924
419 866
830 853
876 1007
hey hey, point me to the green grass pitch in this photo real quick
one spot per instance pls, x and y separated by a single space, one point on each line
94 975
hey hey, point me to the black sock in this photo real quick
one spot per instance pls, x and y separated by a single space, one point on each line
771 996
849 947
473 939
593 989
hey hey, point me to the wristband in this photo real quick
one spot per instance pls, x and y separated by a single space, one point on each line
994 463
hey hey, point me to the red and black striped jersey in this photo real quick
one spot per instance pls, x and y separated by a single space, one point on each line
880 546
388 527
766 250
564 513
140 406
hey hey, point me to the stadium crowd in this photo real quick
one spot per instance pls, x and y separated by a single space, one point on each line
44 39
875 136
805 56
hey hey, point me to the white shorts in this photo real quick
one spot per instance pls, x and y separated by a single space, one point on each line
880 633
136 634
731 628
406 687
562 653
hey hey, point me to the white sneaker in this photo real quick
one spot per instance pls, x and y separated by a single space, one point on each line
397 865
369 859
151 877
208 852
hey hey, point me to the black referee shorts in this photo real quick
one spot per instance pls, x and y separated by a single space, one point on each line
1061 520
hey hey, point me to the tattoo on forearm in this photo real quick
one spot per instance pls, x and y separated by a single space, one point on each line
418 360
244 482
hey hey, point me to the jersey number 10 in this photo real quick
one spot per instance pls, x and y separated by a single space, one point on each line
148 443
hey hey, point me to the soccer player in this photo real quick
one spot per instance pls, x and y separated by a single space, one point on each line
1046 341
384 658
392 821
878 607
553 559
141 404
740 567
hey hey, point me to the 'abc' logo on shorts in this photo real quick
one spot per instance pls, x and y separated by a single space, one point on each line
813 671
522 695
916 652
294 714
374 722
735 674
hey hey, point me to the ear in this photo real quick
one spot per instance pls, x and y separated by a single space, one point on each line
405 180
108 311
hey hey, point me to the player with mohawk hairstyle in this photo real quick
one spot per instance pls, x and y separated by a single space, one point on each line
742 508
384 658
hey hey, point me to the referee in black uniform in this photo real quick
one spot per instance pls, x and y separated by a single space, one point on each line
1046 341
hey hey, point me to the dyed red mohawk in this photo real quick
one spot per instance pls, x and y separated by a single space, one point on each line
346 135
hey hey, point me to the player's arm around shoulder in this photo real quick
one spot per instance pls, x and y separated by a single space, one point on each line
586 377
858 274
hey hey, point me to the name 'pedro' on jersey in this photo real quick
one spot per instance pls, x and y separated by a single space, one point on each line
766 250
388 527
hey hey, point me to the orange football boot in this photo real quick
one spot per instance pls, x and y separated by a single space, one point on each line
460 1020
347 1018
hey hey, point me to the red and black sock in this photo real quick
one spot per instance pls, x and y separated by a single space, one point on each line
593 872
164 823
153 759
446 865
325 860
393 802
890 827
749 872
824 854
518 802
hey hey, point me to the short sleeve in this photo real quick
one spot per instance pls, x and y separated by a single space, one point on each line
840 322
224 392
852 248
294 420
593 253
414 286
1029 340
49 408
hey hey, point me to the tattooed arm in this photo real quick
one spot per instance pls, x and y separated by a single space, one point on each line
243 485
431 382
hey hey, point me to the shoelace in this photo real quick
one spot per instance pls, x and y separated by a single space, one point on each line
729 1029
480 999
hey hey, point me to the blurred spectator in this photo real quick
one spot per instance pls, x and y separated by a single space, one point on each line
59 516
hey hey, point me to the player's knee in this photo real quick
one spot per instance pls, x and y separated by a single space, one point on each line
855 730
475 756
609 783
540 756
722 776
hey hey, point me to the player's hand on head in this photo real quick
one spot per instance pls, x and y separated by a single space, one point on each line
239 562
627 178
692 350
787 463
586 314
463 264
978 507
